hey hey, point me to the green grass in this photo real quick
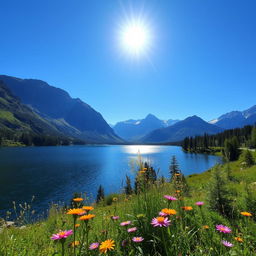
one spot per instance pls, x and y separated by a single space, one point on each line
185 235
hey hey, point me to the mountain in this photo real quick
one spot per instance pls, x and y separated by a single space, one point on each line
236 119
134 130
70 116
16 117
191 126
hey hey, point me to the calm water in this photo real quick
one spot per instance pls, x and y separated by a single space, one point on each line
52 174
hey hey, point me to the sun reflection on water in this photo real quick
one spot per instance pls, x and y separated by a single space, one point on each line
141 149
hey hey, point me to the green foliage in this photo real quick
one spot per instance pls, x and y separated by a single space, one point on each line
253 138
246 158
219 194
246 136
100 194
185 236
128 186
231 149
145 177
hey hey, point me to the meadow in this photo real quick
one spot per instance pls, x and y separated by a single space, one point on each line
212 213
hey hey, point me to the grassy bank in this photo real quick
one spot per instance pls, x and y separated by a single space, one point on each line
188 228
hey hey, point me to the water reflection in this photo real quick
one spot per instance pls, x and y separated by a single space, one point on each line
141 149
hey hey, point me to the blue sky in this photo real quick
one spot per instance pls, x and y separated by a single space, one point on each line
202 60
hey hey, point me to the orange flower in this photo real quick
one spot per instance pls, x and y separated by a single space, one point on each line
77 225
238 239
87 217
247 214
107 245
78 199
177 191
88 208
169 211
187 208
205 227
74 244
76 211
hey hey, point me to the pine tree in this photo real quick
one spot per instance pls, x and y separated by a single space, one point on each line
253 137
128 187
100 194
174 168
247 158
231 149
219 195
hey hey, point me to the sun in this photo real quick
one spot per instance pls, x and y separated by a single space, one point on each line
135 38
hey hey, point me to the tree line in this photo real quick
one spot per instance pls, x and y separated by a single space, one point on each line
244 137
33 139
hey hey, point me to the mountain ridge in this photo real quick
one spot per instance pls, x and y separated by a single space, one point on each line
70 116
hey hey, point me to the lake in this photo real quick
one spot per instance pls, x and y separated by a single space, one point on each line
53 174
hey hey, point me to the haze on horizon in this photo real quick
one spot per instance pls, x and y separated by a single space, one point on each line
201 57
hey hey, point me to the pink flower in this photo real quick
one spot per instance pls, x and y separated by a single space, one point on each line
62 235
132 229
137 239
162 214
115 217
227 244
223 229
94 246
199 203
160 222
170 198
125 223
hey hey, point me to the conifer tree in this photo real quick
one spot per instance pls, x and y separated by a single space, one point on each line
174 168
253 138
219 195
128 186
247 158
100 194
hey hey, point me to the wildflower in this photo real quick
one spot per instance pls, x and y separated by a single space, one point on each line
62 235
87 217
170 198
187 208
114 199
129 230
205 227
76 211
223 229
88 208
140 216
77 225
74 244
227 244
137 239
107 245
125 223
115 217
199 203
247 214
162 214
160 222
78 199
94 246
239 239
177 191
168 211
